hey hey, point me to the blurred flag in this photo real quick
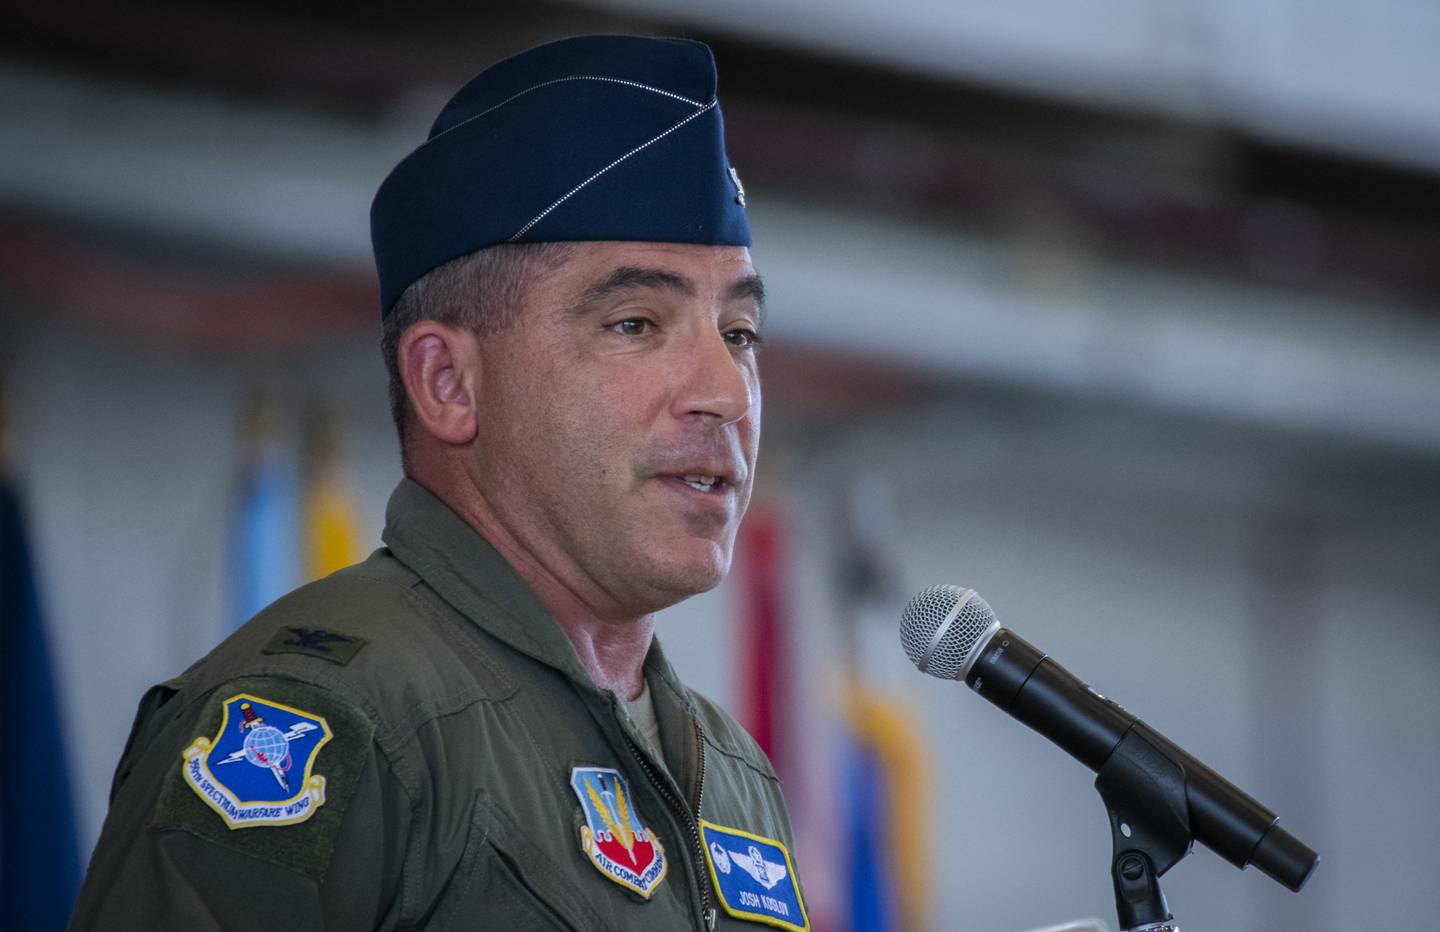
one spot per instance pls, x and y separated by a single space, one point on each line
765 673
264 519
794 728
860 827
885 769
872 877
887 797
39 857
332 537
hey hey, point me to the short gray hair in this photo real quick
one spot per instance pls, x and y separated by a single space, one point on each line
481 292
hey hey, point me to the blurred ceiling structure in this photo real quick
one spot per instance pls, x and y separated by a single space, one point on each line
1225 208
1353 76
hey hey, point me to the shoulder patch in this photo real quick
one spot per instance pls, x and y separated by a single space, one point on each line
285 770
277 745
315 642
754 877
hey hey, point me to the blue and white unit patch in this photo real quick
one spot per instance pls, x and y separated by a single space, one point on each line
256 770
754 877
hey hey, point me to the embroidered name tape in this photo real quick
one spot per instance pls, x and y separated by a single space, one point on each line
754 877
257 768
613 838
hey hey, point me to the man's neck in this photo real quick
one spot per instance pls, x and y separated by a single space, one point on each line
613 654
612 650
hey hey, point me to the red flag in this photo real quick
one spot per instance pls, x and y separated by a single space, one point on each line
764 661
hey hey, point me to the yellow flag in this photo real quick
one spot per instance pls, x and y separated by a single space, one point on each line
332 536
884 724
330 533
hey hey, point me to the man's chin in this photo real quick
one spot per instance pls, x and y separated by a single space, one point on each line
673 578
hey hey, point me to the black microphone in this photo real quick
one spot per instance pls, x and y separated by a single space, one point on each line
952 633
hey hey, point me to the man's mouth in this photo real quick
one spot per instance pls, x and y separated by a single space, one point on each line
703 483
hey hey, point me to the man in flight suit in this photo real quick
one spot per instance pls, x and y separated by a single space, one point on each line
475 728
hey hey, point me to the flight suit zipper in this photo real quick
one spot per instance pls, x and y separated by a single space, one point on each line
687 818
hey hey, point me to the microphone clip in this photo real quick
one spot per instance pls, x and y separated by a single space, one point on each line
1143 788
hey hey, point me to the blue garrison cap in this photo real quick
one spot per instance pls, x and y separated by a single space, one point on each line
591 138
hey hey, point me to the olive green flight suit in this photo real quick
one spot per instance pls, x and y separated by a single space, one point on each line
458 709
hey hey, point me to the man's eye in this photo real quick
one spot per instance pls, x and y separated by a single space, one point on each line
632 327
743 337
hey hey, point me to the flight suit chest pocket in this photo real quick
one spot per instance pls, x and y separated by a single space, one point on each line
505 881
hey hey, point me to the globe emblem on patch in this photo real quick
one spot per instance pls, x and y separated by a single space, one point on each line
266 746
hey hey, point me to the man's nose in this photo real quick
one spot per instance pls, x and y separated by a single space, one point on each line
717 380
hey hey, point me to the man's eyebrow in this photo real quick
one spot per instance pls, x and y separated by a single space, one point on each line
628 278
633 278
751 287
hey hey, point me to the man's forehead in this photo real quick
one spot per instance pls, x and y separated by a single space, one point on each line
723 261
599 269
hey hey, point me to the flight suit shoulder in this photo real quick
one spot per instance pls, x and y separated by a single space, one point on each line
265 765
257 782
374 633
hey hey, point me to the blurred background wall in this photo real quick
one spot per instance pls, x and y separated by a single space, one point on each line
1126 314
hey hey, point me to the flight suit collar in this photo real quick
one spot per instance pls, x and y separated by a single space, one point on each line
679 726
427 535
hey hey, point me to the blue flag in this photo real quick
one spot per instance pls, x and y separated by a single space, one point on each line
39 856
871 880
265 535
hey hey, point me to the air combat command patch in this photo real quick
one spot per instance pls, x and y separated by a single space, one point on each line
613 838
256 770
754 877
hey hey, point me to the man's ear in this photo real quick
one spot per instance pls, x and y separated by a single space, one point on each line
439 366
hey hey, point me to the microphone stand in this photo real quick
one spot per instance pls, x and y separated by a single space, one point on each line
1143 789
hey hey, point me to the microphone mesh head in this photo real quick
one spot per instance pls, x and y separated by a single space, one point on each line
966 619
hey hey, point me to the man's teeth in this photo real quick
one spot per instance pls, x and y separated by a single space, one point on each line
703 483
